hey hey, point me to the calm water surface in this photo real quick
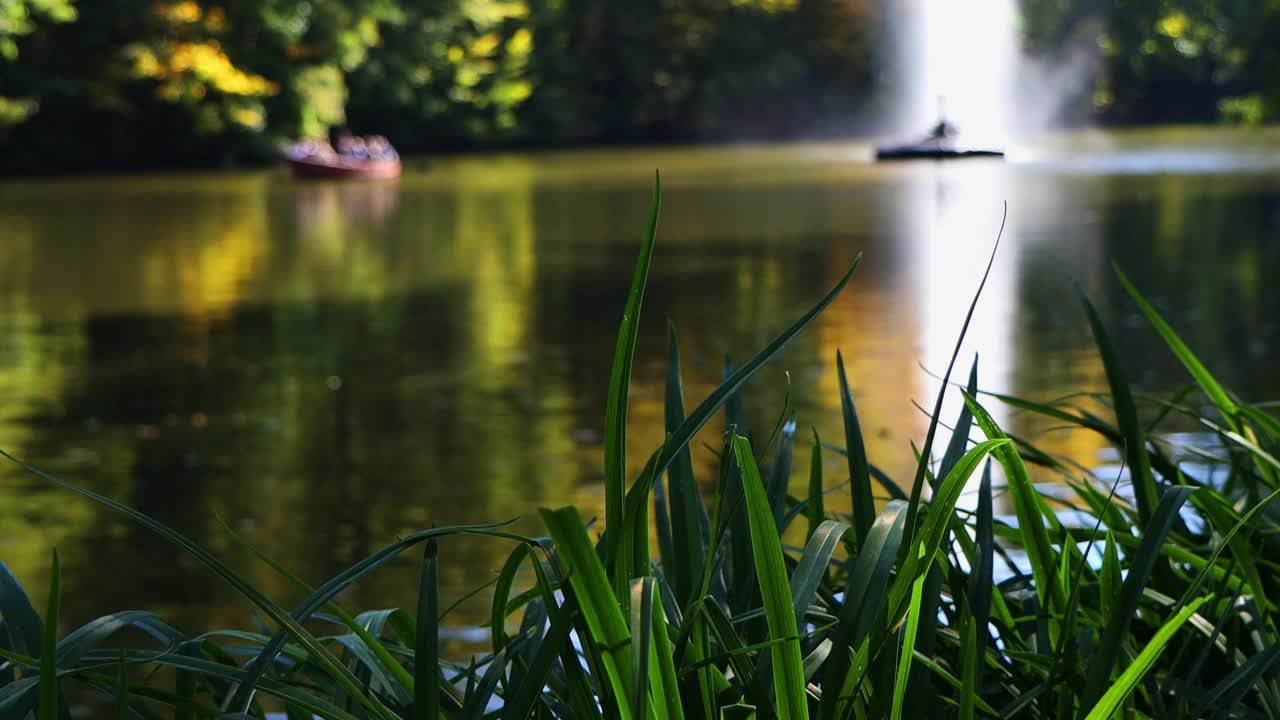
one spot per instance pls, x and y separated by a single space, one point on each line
324 366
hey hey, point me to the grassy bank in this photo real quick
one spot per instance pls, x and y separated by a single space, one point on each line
1143 594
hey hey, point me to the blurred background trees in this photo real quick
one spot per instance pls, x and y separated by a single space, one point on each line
123 83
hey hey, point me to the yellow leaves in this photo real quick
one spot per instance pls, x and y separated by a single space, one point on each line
1173 25
188 70
252 118
144 63
179 13
455 54
484 45
521 42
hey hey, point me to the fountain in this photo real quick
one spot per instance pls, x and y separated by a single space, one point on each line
959 59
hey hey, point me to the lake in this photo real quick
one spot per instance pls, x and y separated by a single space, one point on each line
323 366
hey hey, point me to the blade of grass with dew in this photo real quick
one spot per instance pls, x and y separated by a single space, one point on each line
1110 702
865 593
426 646
1141 566
607 628
815 511
689 519
615 427
1135 441
864 507
771 573
47 706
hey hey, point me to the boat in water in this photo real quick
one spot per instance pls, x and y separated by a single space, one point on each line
356 158
940 144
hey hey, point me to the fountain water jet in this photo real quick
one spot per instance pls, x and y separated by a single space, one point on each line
959 58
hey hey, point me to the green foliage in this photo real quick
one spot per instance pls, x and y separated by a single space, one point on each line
1167 60
114 82
1156 605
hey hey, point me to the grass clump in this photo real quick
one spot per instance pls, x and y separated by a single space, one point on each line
1160 604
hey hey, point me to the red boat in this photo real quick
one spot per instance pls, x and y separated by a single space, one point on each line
312 159
338 167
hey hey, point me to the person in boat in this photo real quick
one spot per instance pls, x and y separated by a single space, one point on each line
942 133
379 148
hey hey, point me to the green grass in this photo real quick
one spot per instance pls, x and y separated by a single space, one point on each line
915 607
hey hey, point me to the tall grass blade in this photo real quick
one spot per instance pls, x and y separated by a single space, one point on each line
502 595
908 651
811 570
699 416
1033 515
1135 441
289 624
426 646
355 625
1141 566
520 703
864 507
615 426
689 519
478 698
605 623
120 706
866 591
780 472
1110 701
926 452
771 571
642 602
741 566
47 707
982 575
21 625
1208 384
814 510
959 442
665 684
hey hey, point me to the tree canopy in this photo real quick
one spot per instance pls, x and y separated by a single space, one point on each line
116 83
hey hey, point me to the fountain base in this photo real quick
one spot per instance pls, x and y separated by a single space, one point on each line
928 151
